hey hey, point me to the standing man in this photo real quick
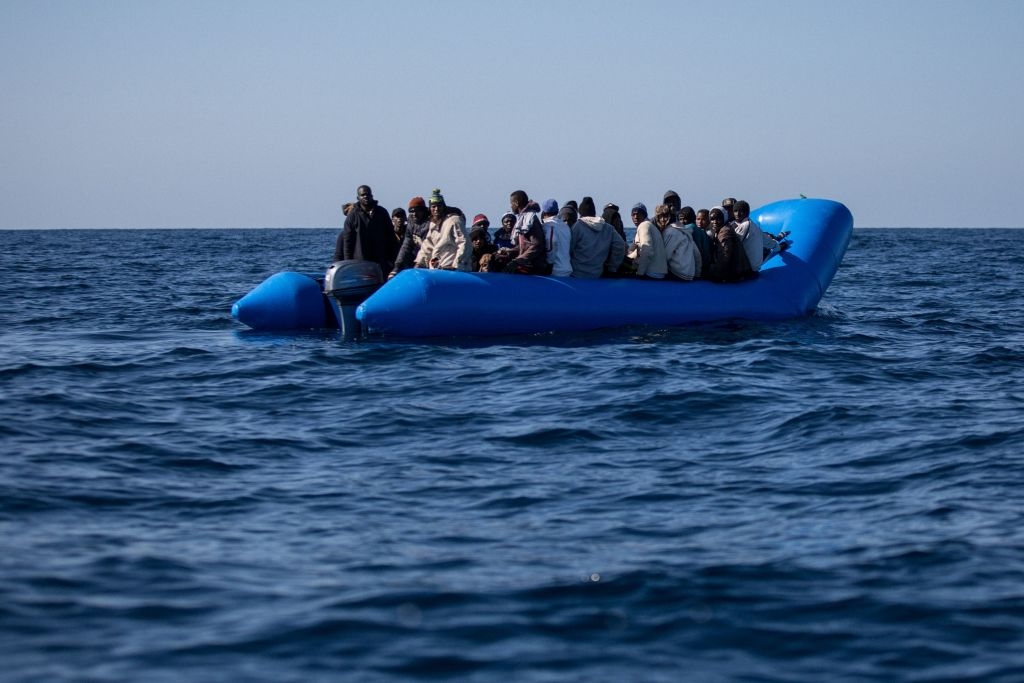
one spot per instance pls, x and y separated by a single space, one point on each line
368 234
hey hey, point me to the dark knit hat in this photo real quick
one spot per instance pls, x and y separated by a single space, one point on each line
587 207
549 207
671 194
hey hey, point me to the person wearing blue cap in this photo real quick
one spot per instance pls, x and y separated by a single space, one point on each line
558 238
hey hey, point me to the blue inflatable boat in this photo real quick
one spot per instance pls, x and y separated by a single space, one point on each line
435 303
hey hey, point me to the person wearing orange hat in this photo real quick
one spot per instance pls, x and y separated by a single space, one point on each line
419 223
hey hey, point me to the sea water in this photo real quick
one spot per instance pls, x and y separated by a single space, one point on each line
839 497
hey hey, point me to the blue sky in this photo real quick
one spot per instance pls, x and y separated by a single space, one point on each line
267 114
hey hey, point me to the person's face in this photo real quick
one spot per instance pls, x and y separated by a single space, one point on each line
702 220
365 197
716 218
507 223
740 214
418 213
514 203
436 212
638 217
662 220
398 222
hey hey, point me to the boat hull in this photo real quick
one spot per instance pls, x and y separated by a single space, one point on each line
436 303
428 303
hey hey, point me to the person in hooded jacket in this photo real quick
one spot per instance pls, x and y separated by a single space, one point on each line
680 252
648 252
688 223
557 239
729 260
597 249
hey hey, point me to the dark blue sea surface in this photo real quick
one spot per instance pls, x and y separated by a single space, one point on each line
835 498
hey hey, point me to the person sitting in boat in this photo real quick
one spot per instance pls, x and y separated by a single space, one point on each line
480 238
557 239
367 234
610 215
400 224
729 260
750 234
681 253
597 249
416 230
503 238
703 221
687 222
674 202
529 255
727 208
446 245
648 251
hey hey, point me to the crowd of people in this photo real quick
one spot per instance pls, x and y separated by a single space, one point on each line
722 244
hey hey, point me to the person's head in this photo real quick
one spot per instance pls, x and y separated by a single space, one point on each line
518 200
575 206
508 219
364 195
741 210
638 213
587 207
398 217
672 200
726 207
687 215
701 219
437 205
479 236
480 221
611 215
549 208
418 209
569 214
716 217
663 216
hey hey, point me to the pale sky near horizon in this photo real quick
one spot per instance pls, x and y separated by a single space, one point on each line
264 114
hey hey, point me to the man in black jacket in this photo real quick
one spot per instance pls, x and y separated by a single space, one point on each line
367 234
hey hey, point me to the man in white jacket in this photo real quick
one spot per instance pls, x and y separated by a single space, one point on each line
446 245
648 252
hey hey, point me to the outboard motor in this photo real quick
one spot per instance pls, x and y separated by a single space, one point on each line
350 283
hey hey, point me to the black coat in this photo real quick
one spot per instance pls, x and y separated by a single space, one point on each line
368 236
